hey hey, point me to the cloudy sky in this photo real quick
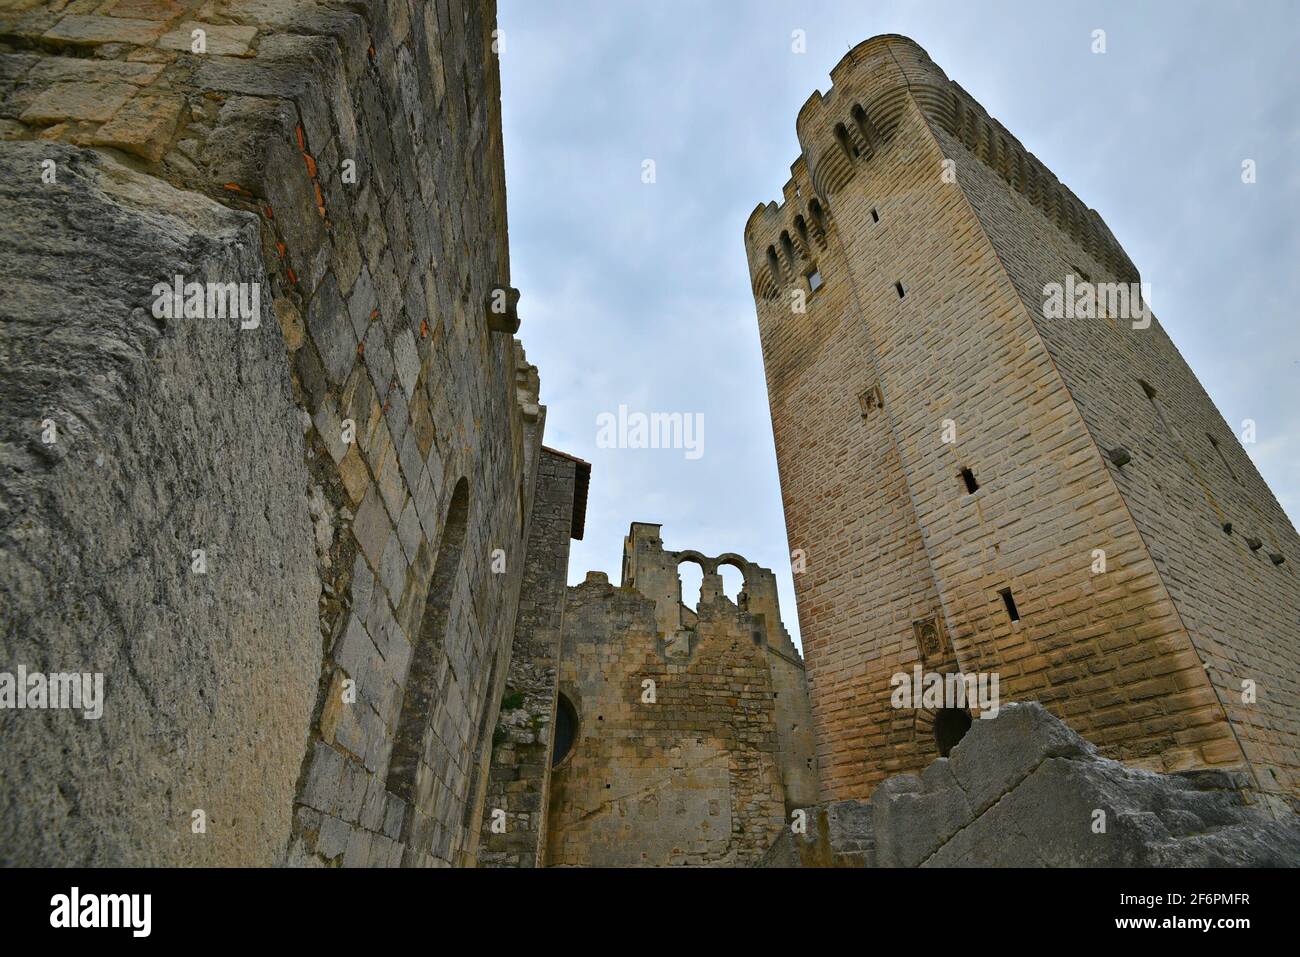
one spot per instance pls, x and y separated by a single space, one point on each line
638 294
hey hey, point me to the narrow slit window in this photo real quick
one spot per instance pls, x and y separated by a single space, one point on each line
968 477
814 281
898 288
875 216
1010 603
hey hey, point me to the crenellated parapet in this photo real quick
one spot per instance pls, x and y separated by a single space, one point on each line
873 87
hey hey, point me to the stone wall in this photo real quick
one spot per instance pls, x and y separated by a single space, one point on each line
935 453
351 482
1023 790
514 821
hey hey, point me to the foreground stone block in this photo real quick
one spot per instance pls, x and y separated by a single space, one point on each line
172 435
1023 790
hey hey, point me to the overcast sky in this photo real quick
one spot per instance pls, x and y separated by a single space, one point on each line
638 294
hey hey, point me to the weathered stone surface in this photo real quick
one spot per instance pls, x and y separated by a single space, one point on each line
143 126
837 834
92 30
1060 805
218 40
173 435
78 100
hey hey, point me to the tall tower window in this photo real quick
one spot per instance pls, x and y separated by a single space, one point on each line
898 288
774 264
842 137
814 281
1009 602
819 217
968 479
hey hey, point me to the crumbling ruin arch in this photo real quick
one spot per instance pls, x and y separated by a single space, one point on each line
733 562
706 568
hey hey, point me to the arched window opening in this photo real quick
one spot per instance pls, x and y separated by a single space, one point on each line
801 227
865 129
950 726
787 247
733 582
774 264
819 218
566 730
692 577
421 696
842 137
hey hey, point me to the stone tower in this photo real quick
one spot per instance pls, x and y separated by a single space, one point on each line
972 486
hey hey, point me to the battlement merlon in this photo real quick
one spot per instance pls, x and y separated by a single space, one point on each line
872 86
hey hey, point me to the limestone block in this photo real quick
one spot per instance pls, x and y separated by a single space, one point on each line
78 100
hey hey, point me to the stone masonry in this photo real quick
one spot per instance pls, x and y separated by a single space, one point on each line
975 487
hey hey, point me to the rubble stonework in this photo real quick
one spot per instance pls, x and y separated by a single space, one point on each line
1023 790
945 453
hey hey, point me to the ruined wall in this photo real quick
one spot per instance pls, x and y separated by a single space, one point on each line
904 565
693 742
346 157
690 779
519 783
